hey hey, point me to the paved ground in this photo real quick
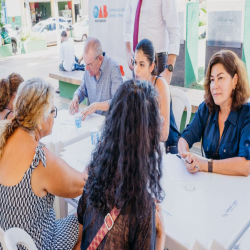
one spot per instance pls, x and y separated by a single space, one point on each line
38 64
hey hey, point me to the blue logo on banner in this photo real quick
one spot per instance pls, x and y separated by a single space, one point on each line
96 12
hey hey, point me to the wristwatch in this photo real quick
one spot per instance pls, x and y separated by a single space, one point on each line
210 165
170 67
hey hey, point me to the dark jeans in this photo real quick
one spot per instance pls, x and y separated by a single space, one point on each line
162 62
172 142
61 68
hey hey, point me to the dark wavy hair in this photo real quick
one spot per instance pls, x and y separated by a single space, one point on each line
233 65
126 166
147 47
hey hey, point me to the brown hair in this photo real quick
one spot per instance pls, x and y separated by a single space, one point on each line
233 65
8 87
31 106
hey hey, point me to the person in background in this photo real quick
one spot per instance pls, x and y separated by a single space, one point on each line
125 172
222 121
157 21
100 80
30 180
8 89
67 54
145 65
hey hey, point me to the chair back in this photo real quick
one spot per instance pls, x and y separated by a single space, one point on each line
14 236
2 241
180 101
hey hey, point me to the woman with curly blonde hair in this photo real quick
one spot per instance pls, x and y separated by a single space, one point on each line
31 176
8 89
222 120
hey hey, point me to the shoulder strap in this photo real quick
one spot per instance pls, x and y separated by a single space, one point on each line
109 221
7 114
203 136
39 156
156 79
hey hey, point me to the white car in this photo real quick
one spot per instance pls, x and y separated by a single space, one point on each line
14 36
81 30
47 30
61 20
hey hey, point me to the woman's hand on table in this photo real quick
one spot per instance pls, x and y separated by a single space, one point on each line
89 110
195 163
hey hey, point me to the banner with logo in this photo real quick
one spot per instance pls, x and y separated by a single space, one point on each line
106 23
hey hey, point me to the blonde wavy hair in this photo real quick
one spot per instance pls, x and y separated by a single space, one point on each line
233 65
32 106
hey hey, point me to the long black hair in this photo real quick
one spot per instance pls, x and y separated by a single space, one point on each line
147 47
125 169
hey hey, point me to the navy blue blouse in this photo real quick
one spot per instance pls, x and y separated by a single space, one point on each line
235 140
174 134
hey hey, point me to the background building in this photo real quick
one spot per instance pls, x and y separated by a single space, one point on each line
29 12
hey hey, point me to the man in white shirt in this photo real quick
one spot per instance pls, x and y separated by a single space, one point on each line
67 54
156 20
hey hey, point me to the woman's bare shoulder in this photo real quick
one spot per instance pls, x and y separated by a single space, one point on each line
161 82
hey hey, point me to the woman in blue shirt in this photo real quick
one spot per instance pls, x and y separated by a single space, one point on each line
222 120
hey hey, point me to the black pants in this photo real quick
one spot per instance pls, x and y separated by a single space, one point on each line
162 62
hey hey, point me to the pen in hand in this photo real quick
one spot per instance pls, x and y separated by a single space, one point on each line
179 156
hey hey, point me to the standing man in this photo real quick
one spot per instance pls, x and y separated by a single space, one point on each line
156 20
100 81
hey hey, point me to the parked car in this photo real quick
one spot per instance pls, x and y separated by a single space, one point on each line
81 30
14 36
47 30
61 20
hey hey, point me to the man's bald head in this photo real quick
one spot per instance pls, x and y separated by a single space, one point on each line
93 44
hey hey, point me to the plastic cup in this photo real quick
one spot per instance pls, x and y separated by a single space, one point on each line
78 120
94 133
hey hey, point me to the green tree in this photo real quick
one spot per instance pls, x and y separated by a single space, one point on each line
1 24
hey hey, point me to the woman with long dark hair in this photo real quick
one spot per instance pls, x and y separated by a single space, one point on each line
145 68
125 172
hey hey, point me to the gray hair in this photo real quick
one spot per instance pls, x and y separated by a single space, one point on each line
94 45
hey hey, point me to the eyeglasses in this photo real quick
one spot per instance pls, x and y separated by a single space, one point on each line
54 112
90 65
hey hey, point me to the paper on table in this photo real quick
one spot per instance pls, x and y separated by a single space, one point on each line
176 169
